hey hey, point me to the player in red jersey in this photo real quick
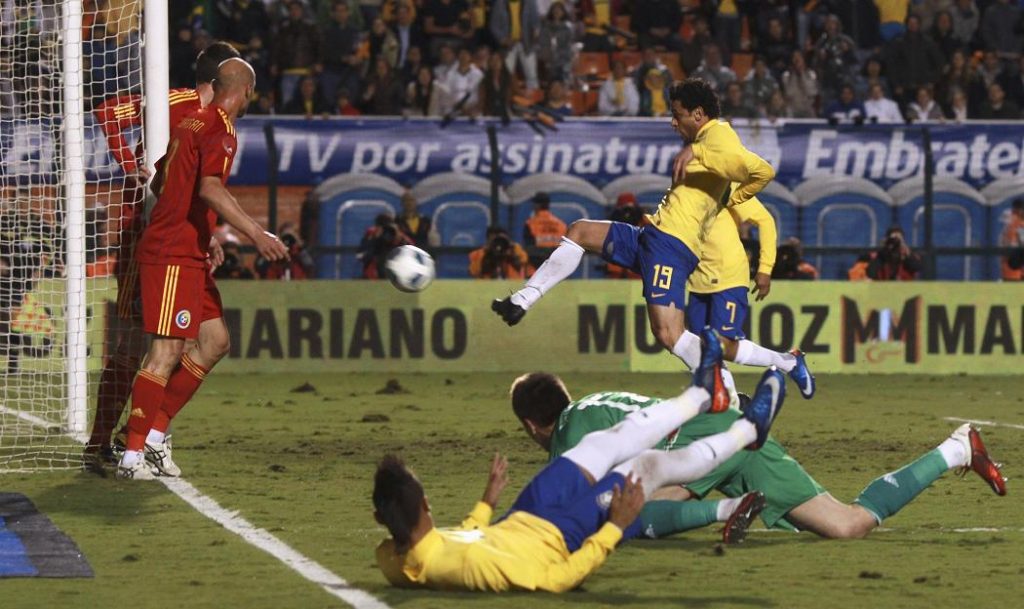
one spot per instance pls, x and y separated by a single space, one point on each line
179 298
116 114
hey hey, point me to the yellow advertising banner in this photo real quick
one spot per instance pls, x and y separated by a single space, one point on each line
357 326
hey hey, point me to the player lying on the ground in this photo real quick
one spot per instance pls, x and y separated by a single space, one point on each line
179 297
115 385
793 499
572 514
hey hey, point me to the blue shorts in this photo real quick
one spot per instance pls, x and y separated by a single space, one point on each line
561 494
664 262
725 311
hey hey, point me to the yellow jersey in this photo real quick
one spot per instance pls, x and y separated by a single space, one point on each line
688 210
723 261
522 552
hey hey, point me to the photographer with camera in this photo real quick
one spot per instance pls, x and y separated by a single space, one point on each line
232 267
299 264
377 243
894 261
790 263
499 258
1012 267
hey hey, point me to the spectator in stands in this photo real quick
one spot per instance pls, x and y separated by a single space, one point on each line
880 109
409 72
424 96
759 86
958 110
447 23
835 57
942 35
180 70
628 212
482 57
382 92
496 88
997 107
377 243
871 74
960 75
463 86
1012 265
412 224
344 105
1000 29
382 43
734 104
296 51
777 108
656 23
924 108
518 40
712 71
846 109
728 28
649 59
543 229
991 70
409 36
894 261
693 49
556 101
1013 84
258 56
800 84
790 263
308 102
242 21
447 61
654 99
912 60
776 47
618 95
499 258
555 43
966 18
892 15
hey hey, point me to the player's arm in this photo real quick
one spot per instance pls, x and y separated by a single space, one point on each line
496 482
217 198
753 211
722 153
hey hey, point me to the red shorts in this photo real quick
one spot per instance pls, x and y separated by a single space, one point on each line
176 299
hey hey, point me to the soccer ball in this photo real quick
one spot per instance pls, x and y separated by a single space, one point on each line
409 268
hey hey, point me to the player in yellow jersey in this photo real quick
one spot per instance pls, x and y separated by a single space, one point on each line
667 251
718 294
574 512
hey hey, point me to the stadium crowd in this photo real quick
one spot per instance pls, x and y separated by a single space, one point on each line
884 61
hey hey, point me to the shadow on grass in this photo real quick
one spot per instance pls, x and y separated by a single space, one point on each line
88 495
581 596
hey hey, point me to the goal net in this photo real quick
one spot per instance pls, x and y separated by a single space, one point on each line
70 87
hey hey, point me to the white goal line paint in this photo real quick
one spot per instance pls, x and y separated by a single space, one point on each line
981 422
251 534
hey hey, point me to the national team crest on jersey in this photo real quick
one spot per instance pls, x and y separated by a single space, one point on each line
183 319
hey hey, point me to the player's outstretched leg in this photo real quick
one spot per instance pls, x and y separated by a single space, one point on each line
708 375
793 363
560 264
749 507
766 404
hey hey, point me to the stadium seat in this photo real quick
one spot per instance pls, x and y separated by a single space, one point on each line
782 205
1000 196
960 216
460 224
742 64
440 188
593 66
583 102
348 205
648 189
674 65
842 211
632 59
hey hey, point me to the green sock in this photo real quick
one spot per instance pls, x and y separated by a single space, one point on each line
887 495
661 518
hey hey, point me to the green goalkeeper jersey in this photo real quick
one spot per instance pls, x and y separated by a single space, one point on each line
603 410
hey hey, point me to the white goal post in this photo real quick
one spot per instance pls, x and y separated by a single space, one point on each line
70 72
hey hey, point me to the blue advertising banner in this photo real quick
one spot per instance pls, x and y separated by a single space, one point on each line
597 150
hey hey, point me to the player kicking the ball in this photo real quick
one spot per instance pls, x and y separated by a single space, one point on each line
573 513
179 298
788 496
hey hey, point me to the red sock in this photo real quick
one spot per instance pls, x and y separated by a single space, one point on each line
147 395
183 384
114 389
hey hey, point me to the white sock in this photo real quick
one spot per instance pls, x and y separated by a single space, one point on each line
155 437
131 457
601 450
730 386
953 452
660 468
687 348
753 354
559 265
726 507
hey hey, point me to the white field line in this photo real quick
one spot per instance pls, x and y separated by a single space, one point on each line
981 422
941 530
251 534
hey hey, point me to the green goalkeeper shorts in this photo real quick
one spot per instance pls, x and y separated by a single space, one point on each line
770 470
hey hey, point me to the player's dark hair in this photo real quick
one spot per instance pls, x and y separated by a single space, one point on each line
539 397
210 58
693 93
397 497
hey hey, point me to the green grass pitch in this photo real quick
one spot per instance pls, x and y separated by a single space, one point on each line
299 465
